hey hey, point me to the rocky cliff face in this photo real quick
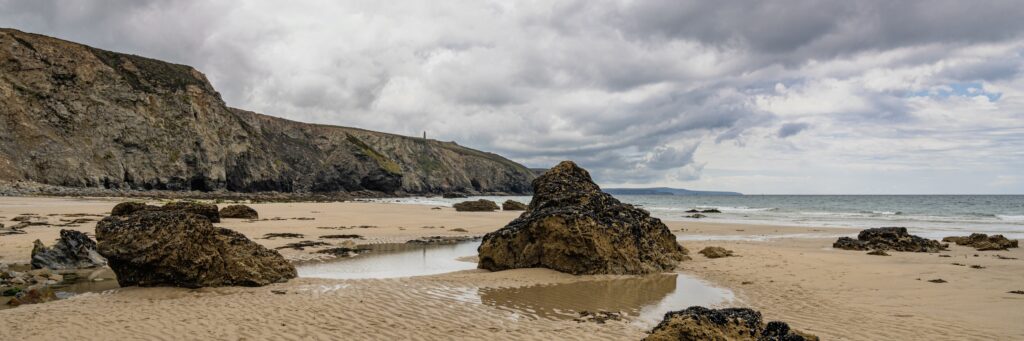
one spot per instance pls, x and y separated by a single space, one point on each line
76 116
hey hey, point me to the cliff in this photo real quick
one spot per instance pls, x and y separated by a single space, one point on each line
77 116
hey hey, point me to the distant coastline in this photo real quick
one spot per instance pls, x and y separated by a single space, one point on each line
664 191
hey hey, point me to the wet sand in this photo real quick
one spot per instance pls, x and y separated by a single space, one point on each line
789 273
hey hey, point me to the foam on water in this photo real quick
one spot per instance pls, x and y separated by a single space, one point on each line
939 215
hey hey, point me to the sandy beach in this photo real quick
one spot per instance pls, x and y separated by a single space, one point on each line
788 273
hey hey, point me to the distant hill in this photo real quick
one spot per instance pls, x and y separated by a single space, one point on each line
77 116
663 191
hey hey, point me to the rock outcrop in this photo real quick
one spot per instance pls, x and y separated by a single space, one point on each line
983 242
888 238
239 212
74 250
512 205
482 205
77 116
180 248
571 226
730 324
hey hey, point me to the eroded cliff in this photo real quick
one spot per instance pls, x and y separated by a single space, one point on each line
77 116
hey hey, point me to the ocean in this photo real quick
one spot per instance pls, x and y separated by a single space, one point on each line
932 216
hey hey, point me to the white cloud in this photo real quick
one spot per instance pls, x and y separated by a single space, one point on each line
840 97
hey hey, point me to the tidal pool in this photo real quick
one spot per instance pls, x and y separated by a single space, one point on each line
396 260
644 299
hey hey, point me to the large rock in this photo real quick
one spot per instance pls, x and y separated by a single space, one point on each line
180 248
239 212
571 226
888 238
482 205
73 250
129 207
730 324
207 210
512 205
983 242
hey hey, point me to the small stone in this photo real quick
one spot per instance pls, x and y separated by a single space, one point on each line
937 280
715 252
512 205
239 212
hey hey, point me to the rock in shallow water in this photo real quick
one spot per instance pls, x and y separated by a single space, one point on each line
571 226
888 238
179 248
73 250
239 212
983 242
730 324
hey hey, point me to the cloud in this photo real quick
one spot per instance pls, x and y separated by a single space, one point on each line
678 93
790 129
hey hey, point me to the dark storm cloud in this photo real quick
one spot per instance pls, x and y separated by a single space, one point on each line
637 91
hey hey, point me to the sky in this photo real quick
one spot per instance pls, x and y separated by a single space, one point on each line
782 97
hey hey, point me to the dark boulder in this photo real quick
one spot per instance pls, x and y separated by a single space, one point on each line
482 205
983 242
207 210
73 250
126 208
452 195
571 226
888 238
512 205
239 212
181 248
729 324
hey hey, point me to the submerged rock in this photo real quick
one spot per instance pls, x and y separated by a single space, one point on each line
888 238
34 295
239 211
452 195
730 324
73 250
695 216
181 248
716 252
571 226
512 205
482 205
983 242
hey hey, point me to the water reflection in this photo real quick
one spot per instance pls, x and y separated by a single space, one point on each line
76 282
396 260
647 298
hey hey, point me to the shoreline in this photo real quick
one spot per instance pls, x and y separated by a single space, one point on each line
835 294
